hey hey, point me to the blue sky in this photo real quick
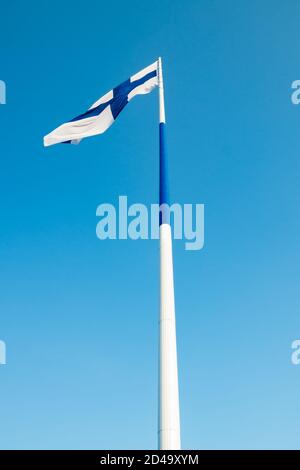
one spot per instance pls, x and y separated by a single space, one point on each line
79 315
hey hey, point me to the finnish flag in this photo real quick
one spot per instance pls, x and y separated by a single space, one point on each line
101 115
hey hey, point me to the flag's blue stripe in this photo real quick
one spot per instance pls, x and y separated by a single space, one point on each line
119 100
91 112
164 215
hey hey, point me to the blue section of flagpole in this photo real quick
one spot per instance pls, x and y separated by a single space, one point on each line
164 216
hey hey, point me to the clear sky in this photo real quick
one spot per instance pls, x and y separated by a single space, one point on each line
79 315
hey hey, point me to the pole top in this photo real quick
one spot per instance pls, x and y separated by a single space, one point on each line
160 73
162 116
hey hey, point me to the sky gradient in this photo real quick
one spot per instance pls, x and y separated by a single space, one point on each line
79 315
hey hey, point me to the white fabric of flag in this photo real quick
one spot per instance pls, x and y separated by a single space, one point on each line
103 113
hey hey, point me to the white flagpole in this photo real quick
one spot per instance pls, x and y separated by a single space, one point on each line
169 421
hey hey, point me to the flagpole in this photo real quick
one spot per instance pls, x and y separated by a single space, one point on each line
169 421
